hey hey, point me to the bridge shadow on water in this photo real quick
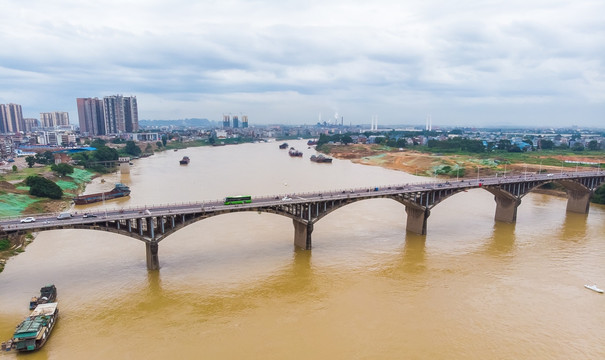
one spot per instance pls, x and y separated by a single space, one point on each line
410 261
502 240
296 279
574 227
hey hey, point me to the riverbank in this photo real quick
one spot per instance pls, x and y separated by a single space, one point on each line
16 201
433 164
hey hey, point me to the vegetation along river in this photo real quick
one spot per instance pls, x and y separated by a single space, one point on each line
234 286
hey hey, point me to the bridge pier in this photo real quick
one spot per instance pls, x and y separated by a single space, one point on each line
124 164
506 209
578 201
151 250
302 234
417 219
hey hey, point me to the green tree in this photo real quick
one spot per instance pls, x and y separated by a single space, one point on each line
105 153
42 187
30 160
62 169
132 148
97 143
323 139
159 144
45 158
346 139
577 146
593 145
14 168
5 244
599 195
546 144
164 140
504 144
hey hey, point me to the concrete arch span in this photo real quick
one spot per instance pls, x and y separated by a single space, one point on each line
508 197
154 223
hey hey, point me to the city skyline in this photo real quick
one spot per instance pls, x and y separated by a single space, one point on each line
478 64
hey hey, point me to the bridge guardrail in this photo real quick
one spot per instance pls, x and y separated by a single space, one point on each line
357 191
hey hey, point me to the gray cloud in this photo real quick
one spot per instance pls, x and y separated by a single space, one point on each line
467 62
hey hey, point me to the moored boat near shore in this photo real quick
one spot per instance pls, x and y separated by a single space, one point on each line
283 146
320 159
119 190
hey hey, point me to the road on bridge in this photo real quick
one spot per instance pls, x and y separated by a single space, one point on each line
50 220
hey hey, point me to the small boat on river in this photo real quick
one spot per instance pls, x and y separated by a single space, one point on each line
594 288
185 160
48 294
283 146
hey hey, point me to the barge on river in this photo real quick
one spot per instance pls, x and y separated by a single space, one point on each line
33 332
294 153
120 190
320 159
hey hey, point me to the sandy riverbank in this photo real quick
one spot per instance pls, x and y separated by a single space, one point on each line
424 164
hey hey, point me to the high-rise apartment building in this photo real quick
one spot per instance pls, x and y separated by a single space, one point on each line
113 115
91 117
29 124
131 114
235 121
244 121
226 121
53 119
121 114
11 118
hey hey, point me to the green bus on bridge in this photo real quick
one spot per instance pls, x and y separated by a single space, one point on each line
243 199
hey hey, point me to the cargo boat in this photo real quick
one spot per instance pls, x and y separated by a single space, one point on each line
33 332
185 160
320 159
295 153
119 190
48 294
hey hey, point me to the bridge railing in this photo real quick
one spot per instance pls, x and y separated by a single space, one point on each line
357 190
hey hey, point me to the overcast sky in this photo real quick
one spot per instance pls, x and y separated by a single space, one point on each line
477 63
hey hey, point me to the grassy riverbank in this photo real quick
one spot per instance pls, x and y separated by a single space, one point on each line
14 194
15 200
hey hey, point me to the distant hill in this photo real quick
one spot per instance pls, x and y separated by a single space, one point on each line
200 123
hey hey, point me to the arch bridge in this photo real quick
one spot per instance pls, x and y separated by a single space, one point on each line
152 224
